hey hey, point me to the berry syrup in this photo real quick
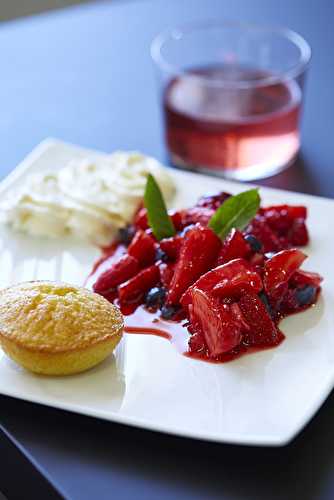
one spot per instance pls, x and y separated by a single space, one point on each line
231 129
139 320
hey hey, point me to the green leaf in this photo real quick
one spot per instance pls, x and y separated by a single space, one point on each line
158 218
236 212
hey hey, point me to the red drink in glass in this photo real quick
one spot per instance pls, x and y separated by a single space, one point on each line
231 94
223 128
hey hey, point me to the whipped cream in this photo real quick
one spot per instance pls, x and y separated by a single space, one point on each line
90 199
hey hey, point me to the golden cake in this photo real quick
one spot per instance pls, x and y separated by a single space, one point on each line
54 328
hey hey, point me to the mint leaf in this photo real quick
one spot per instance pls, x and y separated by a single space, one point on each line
157 215
236 212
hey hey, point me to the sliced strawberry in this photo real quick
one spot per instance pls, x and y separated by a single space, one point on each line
135 289
166 273
276 212
227 280
263 331
110 295
298 234
237 285
289 303
302 278
198 253
197 341
235 246
143 248
194 215
238 316
140 220
177 219
279 269
171 246
110 256
216 322
288 223
262 231
126 267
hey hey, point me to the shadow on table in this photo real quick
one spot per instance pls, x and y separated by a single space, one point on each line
298 177
92 456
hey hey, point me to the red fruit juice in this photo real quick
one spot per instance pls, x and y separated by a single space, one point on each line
247 122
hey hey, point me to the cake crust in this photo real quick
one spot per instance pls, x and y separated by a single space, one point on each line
57 328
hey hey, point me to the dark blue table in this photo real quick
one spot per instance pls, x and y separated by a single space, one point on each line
84 75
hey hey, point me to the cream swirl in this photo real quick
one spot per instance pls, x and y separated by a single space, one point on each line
90 199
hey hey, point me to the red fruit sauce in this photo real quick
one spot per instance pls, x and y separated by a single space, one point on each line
225 298
138 320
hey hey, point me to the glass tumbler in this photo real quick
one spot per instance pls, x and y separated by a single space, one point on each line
231 95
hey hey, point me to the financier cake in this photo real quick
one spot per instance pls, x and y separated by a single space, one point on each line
54 328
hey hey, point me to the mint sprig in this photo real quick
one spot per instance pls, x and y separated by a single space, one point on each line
236 212
157 215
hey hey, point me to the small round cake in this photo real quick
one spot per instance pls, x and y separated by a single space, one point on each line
54 328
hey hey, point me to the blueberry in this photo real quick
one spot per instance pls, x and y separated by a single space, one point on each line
266 302
161 255
167 312
306 295
155 297
253 242
125 234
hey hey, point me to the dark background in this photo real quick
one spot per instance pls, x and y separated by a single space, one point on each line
11 9
84 75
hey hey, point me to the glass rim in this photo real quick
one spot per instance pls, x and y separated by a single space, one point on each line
178 32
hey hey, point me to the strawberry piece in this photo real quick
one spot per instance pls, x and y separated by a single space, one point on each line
288 223
213 201
238 285
196 341
279 269
263 331
238 316
143 248
199 251
194 215
126 267
171 246
140 220
302 278
177 219
235 246
262 231
166 273
274 213
216 322
298 234
288 303
109 257
227 280
135 288
110 295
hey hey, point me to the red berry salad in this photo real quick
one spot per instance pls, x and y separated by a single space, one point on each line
225 271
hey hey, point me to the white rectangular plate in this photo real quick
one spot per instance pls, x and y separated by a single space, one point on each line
264 398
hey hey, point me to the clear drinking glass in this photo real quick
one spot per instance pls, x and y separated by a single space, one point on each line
231 95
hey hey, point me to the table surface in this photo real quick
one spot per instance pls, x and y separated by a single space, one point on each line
84 75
